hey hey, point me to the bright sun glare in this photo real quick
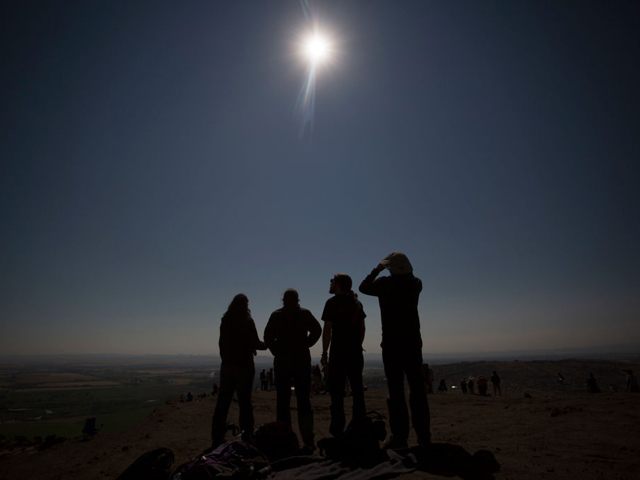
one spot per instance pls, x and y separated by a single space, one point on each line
316 48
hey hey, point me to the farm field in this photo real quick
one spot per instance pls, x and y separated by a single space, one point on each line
37 401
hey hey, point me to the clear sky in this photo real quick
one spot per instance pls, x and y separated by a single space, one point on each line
154 163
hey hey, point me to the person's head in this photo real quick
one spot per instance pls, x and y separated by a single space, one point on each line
340 283
290 298
397 263
239 306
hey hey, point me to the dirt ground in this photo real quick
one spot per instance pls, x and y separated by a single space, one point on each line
560 437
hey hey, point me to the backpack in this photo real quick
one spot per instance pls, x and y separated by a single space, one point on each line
276 440
359 445
230 460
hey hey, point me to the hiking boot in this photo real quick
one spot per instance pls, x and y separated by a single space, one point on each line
247 437
395 444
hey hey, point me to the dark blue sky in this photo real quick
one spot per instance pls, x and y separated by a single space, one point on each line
153 167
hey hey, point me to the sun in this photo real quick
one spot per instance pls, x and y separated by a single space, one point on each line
316 48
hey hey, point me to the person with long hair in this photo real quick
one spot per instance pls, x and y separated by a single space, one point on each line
239 343
289 334
343 331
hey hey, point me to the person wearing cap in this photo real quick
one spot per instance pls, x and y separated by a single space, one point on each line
398 296
290 332
343 331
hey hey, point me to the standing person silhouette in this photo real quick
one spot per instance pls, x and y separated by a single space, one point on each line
343 331
398 297
289 334
238 344
495 380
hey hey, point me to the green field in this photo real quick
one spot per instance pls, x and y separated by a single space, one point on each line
41 402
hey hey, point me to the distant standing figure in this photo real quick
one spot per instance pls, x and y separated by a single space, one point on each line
343 331
317 379
238 344
270 379
398 296
482 386
470 384
263 380
632 382
495 380
442 386
463 385
289 334
592 385
189 397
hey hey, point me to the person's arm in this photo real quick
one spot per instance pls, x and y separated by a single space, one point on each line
362 328
326 341
368 285
314 329
270 335
253 334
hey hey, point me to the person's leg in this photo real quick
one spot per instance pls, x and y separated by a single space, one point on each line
336 389
245 387
302 383
225 394
420 417
396 403
357 388
283 393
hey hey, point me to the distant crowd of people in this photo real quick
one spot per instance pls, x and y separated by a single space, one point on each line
292 330
467 385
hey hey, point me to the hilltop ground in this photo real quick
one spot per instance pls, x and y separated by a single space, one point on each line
548 436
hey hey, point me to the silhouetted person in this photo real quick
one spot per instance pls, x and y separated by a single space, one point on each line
592 385
289 334
317 379
470 385
632 382
343 331
263 380
463 385
238 344
90 426
442 386
270 379
398 297
482 386
495 380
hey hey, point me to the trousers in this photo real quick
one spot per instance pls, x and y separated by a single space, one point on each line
233 379
399 362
